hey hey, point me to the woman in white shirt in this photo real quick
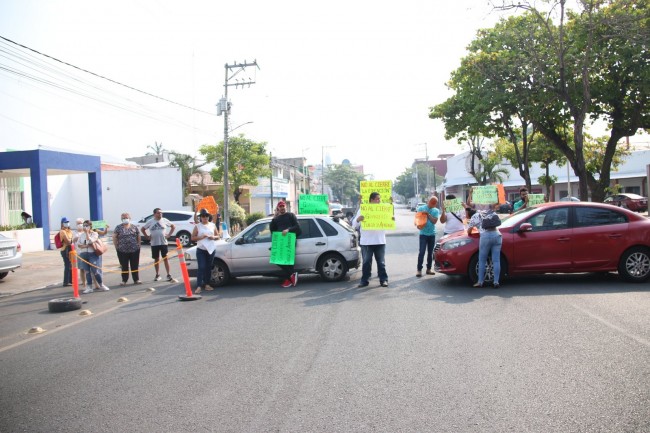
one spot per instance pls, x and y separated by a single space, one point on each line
205 234
453 220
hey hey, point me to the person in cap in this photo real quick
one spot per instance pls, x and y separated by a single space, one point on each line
82 270
158 226
286 222
373 243
66 235
205 234
428 235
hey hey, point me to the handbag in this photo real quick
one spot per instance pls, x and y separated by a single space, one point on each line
421 219
99 247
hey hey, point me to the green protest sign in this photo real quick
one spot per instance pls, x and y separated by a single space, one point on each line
535 199
283 248
99 224
454 205
383 187
487 194
377 216
313 204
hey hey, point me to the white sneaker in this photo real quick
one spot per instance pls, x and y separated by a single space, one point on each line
88 290
104 287
157 278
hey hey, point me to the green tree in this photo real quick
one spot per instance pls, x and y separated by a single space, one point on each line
490 170
157 149
188 167
247 161
344 182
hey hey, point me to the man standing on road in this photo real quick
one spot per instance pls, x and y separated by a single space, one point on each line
157 226
428 235
523 200
286 222
373 242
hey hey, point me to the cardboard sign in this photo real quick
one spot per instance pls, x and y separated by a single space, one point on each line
377 216
209 204
383 187
283 248
313 204
501 193
485 194
535 199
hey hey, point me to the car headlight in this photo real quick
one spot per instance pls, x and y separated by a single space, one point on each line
450 245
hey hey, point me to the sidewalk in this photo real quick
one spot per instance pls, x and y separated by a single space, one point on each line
43 270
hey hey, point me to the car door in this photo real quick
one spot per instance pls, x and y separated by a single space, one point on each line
598 237
547 248
250 254
311 244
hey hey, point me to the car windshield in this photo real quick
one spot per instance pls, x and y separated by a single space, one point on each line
343 223
517 217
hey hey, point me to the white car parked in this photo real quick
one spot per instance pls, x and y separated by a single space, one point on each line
328 246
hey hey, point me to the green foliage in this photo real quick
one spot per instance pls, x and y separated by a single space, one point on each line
344 182
188 167
491 171
250 219
237 214
8 228
247 161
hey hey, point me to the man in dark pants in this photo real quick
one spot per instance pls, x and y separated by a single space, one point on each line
286 222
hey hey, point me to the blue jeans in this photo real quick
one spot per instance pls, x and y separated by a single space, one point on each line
67 266
204 260
91 268
379 251
427 243
489 243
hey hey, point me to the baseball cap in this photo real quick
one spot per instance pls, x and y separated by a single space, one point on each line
64 220
281 203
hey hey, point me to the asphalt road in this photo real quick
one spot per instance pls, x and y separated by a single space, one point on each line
542 354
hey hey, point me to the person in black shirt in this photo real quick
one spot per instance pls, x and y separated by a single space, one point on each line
286 222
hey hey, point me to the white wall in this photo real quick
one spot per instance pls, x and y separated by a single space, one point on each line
135 191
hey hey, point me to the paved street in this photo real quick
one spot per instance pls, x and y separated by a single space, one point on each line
553 353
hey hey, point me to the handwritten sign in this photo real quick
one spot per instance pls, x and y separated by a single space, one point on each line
454 205
377 216
313 204
283 248
383 187
535 199
209 204
485 194
99 224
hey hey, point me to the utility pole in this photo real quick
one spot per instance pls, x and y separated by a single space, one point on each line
224 108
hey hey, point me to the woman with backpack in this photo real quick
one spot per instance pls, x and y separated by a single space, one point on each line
490 241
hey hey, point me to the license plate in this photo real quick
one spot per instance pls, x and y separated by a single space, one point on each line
5 253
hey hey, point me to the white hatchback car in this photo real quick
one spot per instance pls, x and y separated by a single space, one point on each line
183 221
328 246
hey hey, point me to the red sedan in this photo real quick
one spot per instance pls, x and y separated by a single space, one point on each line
560 237
633 202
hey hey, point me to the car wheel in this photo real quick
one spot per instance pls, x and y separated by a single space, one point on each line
332 267
489 270
64 304
220 274
635 265
185 238
3 274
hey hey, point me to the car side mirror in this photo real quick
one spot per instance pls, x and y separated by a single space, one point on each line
240 241
526 227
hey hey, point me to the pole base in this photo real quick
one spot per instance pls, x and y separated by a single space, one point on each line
190 298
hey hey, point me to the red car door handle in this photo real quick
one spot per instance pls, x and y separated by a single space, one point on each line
563 239
615 236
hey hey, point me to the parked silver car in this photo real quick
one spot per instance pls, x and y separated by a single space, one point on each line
11 257
328 246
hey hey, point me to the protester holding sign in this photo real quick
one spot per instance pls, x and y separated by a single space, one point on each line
453 212
428 235
205 234
373 242
490 241
286 222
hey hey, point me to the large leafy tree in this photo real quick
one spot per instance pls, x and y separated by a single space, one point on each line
595 61
344 181
247 161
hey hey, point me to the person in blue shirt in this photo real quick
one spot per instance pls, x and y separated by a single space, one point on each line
428 235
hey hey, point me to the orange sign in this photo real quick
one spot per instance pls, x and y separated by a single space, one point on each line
501 192
209 204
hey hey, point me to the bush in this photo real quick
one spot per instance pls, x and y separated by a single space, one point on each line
250 219
8 228
237 214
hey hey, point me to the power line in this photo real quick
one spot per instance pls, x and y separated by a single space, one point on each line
107 79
